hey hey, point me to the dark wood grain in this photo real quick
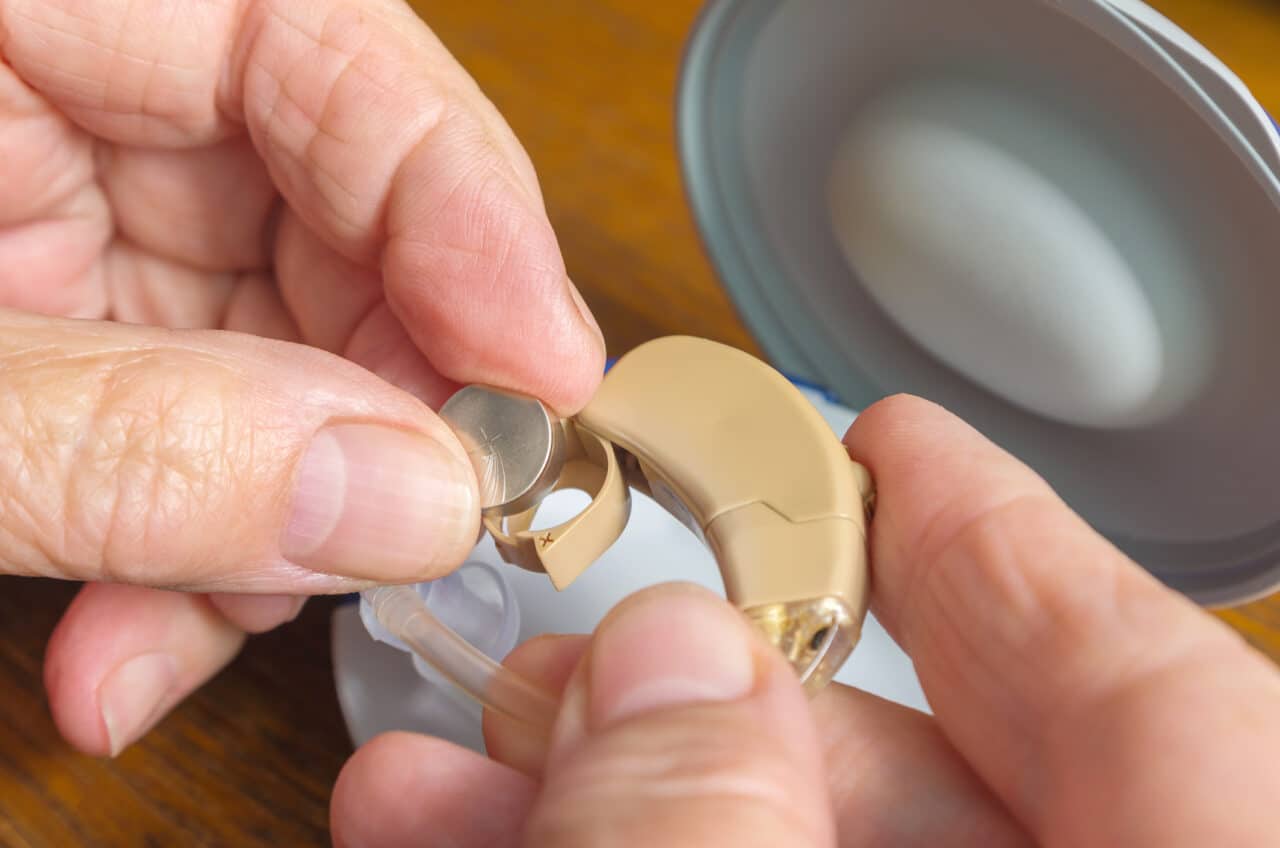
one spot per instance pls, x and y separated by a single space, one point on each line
249 761
588 87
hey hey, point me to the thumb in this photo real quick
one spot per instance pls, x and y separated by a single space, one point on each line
207 460
682 726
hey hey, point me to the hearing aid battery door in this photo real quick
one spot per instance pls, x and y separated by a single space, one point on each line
1059 220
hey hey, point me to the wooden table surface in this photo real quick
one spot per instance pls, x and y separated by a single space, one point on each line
588 87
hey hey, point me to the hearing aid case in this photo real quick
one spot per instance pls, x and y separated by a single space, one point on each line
1061 220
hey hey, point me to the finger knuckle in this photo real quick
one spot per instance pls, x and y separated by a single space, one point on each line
104 64
157 451
317 93
27 518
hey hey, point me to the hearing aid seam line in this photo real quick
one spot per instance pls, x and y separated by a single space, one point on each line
705 522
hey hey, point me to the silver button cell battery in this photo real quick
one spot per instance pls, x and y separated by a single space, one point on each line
516 445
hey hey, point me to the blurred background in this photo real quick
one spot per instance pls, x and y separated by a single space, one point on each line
589 89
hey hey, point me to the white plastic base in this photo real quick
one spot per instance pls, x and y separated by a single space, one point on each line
379 690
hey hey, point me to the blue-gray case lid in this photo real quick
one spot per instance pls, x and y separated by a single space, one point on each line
766 90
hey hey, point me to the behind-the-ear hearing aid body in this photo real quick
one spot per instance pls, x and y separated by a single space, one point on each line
724 443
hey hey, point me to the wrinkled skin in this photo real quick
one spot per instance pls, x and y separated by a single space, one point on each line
322 180
288 231
1075 700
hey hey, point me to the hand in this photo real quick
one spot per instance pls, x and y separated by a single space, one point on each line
324 181
1076 701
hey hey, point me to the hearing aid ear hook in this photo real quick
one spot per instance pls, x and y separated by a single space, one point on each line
724 443
566 550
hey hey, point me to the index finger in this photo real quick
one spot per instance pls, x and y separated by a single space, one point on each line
375 136
1092 699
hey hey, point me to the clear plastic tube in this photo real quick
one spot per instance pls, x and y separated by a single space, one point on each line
406 616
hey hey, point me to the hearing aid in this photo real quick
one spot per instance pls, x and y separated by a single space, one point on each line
724 443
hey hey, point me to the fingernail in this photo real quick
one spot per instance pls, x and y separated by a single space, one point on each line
674 647
585 312
134 696
379 503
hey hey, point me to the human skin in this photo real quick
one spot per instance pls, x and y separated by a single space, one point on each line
245 249
286 232
1075 701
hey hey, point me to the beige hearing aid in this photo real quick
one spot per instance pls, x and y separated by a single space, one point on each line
724 443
